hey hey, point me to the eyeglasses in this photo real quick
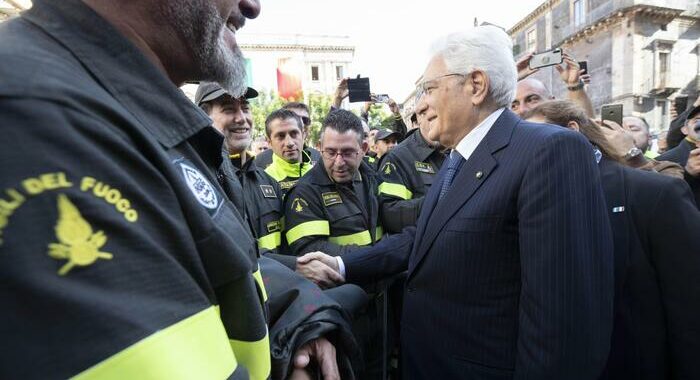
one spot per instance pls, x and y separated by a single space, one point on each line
306 120
330 154
425 87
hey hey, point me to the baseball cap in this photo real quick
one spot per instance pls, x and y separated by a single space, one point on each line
208 91
385 133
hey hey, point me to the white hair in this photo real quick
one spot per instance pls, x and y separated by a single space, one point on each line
486 48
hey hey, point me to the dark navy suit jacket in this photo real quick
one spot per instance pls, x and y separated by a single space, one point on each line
510 276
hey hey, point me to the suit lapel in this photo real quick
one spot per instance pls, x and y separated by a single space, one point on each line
427 208
463 187
474 172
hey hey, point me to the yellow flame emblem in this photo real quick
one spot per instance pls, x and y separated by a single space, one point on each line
77 244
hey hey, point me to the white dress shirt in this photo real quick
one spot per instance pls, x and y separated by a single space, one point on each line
465 147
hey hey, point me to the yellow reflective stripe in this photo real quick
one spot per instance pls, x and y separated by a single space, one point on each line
255 356
316 227
261 284
270 241
379 232
195 348
396 190
360 238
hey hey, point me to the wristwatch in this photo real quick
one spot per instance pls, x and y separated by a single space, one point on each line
634 152
575 87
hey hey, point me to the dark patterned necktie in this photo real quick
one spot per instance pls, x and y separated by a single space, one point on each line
455 163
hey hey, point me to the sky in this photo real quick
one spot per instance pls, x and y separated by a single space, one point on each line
391 37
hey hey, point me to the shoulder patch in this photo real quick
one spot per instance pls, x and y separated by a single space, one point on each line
77 243
298 204
425 167
332 198
200 186
388 168
268 191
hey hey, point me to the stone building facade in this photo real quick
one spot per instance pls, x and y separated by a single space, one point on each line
641 53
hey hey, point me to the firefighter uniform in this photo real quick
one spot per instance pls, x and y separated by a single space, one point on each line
407 172
283 172
263 205
321 215
121 255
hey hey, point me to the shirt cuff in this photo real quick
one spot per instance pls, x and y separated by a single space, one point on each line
341 266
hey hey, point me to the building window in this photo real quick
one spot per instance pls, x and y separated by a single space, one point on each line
579 12
663 68
314 73
339 74
531 38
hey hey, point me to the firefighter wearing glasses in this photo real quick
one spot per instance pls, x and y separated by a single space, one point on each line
335 206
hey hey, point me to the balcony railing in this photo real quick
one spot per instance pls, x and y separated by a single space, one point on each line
610 7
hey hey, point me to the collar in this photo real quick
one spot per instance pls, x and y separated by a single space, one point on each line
690 140
236 160
421 147
293 170
469 143
120 67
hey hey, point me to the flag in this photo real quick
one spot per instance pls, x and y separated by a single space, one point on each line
289 78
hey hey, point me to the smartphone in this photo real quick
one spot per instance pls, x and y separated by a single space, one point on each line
548 58
583 65
681 104
612 112
381 98
358 90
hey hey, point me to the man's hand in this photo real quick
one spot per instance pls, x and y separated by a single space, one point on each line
317 268
523 67
570 73
341 92
330 261
323 352
393 107
585 78
693 165
621 141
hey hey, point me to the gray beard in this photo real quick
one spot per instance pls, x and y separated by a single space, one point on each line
198 24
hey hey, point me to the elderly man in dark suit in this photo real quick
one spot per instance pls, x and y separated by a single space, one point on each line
510 271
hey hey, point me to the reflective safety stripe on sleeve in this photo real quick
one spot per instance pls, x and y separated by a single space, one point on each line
270 241
379 232
315 227
360 238
197 347
396 190
254 356
258 278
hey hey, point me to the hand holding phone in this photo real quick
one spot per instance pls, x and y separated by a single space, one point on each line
612 112
358 90
548 58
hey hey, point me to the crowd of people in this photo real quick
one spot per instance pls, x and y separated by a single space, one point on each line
503 234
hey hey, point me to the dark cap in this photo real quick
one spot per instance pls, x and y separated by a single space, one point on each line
384 134
693 112
208 91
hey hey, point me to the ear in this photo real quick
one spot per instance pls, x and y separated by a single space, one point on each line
684 129
573 125
364 147
479 88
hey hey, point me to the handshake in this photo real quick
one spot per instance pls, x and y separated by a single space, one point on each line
321 269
